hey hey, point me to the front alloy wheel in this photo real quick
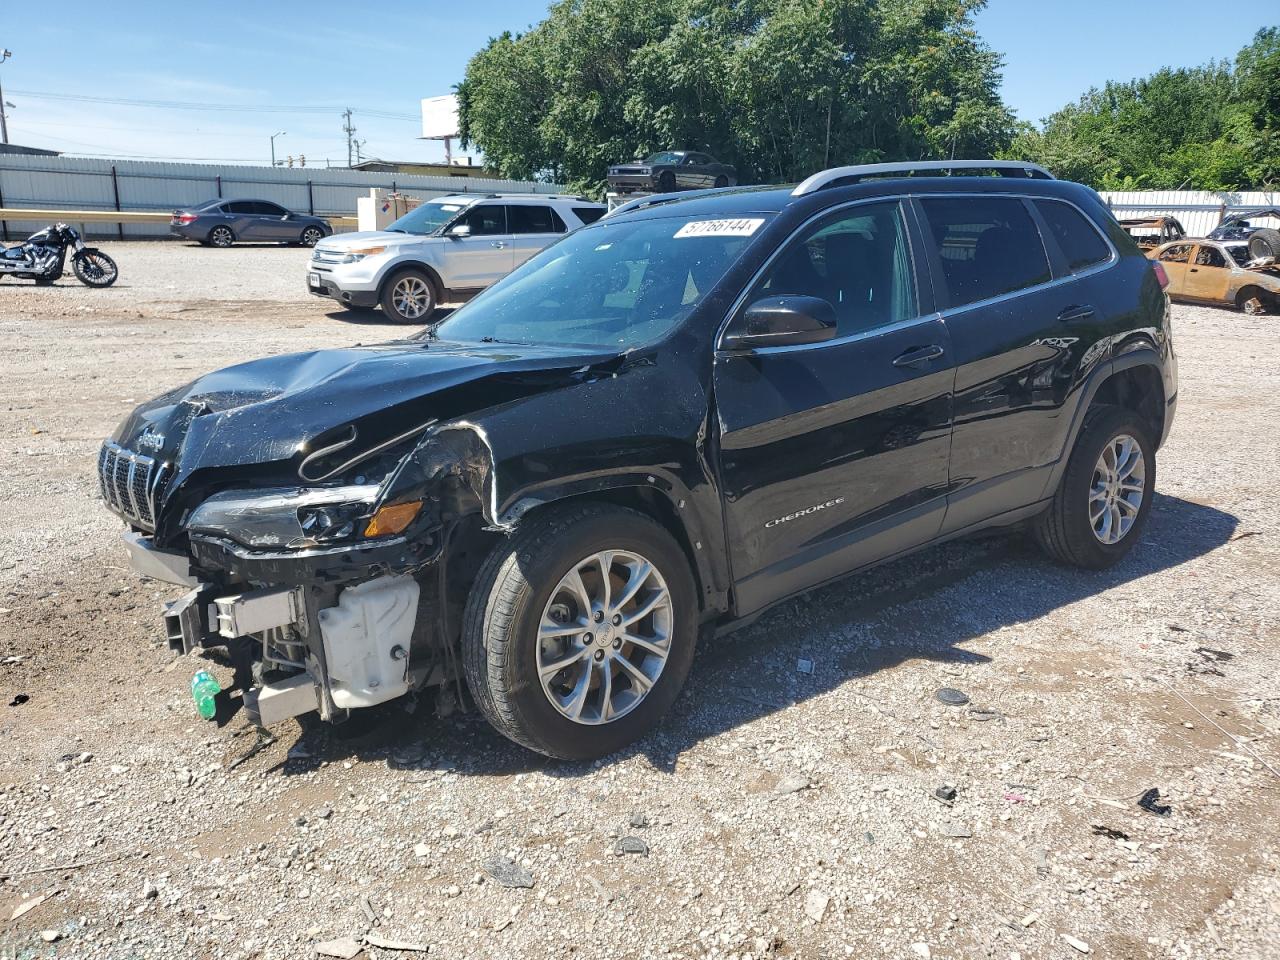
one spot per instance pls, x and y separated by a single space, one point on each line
409 297
579 631
604 637
311 236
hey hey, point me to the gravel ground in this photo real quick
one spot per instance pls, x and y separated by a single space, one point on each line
780 813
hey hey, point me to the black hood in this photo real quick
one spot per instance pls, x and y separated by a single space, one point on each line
272 410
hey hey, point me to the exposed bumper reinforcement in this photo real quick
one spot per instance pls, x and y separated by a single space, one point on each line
276 702
157 564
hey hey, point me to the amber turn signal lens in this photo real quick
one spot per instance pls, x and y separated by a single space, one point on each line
392 519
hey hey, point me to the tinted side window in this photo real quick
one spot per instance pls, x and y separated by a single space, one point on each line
534 220
1077 238
588 214
1178 254
858 261
240 206
1210 257
265 209
988 246
486 220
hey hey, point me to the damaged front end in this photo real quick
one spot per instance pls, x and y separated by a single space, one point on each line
324 570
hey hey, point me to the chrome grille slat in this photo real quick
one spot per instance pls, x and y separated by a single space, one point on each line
128 483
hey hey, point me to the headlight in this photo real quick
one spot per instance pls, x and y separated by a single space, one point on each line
354 256
299 517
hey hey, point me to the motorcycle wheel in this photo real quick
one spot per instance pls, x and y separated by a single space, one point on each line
95 269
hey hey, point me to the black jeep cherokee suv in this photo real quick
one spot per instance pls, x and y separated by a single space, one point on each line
666 422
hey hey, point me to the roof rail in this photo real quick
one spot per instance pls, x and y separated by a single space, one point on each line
848 175
653 199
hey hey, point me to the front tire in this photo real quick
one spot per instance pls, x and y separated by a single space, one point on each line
1101 505
311 236
221 237
580 632
94 268
409 296
666 182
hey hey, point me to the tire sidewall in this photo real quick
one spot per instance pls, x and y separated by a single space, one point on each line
388 299
541 575
221 231
1079 480
308 232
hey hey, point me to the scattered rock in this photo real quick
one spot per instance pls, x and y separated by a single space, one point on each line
792 783
804 666
421 850
639 821
507 872
344 948
149 891
959 831
951 697
1075 944
815 905
946 793
631 845
50 936
921 950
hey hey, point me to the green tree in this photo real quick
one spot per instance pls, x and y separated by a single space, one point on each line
779 88
1213 127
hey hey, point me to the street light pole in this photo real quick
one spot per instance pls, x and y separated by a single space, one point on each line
4 124
273 146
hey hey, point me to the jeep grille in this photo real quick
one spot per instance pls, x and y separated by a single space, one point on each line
127 481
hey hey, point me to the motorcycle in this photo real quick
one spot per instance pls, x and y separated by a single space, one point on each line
43 257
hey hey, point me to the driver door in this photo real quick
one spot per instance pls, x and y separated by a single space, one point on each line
1174 260
487 254
835 454
1208 274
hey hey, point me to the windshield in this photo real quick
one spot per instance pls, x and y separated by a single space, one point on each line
609 286
665 156
428 217
1240 253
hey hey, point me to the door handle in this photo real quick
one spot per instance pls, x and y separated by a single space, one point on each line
1078 312
918 356
499 244
1194 270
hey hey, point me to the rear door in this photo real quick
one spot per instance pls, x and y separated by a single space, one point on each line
1208 275
1175 261
533 226
487 255
834 455
242 217
1021 325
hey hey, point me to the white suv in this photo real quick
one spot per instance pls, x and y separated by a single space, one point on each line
446 249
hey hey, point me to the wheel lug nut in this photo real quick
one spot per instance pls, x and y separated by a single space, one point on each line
599 654
617 619
586 638
599 616
617 644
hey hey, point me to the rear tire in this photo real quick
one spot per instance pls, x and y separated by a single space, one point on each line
221 237
520 593
1095 518
409 296
1264 242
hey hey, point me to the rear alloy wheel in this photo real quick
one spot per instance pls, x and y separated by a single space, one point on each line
221 237
311 236
579 634
409 297
1102 502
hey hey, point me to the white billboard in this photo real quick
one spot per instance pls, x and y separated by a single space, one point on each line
439 117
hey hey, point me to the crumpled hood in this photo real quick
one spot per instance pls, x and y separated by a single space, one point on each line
270 410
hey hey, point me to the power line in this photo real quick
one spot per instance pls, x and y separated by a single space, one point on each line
215 107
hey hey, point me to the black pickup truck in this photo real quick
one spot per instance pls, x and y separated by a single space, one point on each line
661 425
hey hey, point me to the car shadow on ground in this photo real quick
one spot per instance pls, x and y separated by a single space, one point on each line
839 629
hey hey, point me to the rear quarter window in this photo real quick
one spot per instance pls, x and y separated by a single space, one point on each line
1077 238
588 215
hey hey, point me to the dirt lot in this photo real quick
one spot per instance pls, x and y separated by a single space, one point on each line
784 813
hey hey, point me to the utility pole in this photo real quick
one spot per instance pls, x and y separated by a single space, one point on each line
349 129
4 124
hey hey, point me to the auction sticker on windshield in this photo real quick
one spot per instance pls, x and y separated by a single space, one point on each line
740 227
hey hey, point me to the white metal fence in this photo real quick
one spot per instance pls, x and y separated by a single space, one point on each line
1198 211
72 183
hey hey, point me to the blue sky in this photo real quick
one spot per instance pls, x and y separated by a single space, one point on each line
325 56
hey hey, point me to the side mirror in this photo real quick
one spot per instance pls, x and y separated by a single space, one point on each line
459 231
782 322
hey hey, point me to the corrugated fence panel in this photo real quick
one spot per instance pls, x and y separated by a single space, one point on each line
1198 211
74 183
